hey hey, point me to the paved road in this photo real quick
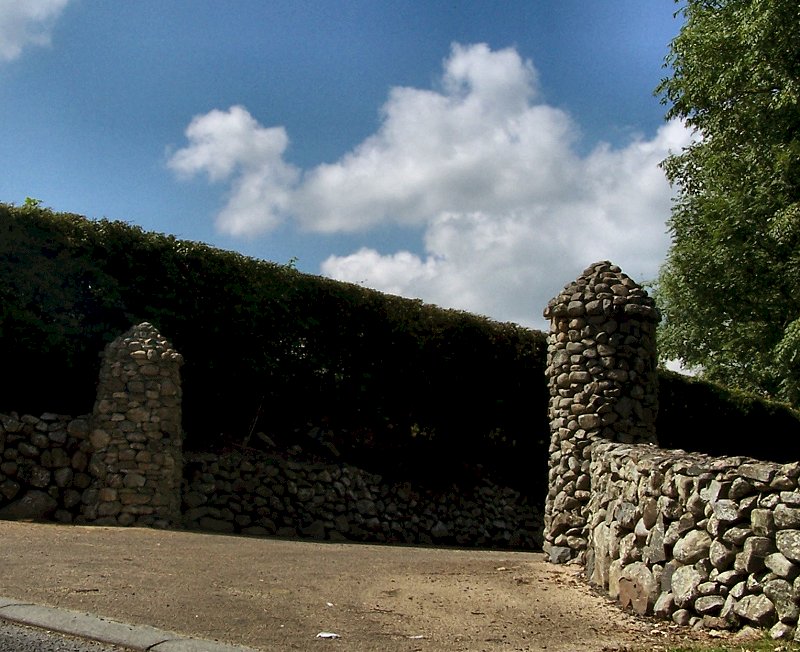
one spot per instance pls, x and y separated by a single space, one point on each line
16 638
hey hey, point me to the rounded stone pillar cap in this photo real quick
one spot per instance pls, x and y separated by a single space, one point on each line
602 289
144 340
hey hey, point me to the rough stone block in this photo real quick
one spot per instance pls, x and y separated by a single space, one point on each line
756 609
757 471
762 522
781 595
683 584
709 604
788 542
786 517
726 511
692 547
34 505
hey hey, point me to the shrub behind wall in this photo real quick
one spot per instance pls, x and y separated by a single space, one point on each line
704 417
393 381
396 385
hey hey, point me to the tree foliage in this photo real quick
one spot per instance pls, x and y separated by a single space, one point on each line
729 290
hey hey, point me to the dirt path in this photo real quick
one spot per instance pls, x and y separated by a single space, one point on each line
278 595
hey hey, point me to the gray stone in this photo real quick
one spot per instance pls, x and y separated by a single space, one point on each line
728 612
739 590
560 554
563 522
654 552
664 606
721 555
788 542
684 583
726 511
28 450
737 534
692 547
641 530
730 577
757 471
598 574
762 522
716 622
709 604
34 505
649 507
440 531
134 480
739 489
752 556
39 477
781 631
756 609
215 524
666 574
781 566
626 515
614 574
315 530
790 497
786 517
637 588
194 499
708 588
767 500
781 595
629 550
682 617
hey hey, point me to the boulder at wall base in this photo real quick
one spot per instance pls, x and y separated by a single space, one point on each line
684 583
560 555
34 505
757 609
637 588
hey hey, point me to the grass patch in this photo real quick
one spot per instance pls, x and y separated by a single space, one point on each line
765 644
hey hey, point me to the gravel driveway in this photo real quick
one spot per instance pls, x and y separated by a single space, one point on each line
275 594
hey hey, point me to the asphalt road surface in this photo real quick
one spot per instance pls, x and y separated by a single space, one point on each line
16 638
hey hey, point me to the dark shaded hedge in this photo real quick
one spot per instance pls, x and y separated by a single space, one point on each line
399 384
704 417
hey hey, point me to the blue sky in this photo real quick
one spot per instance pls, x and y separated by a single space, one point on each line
477 155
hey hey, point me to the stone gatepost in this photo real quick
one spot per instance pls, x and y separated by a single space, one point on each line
136 433
601 367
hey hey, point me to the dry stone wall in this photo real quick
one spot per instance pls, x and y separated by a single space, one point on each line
44 465
45 475
701 540
263 494
706 541
124 465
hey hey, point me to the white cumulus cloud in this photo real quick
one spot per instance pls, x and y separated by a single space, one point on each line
510 211
508 263
231 146
26 22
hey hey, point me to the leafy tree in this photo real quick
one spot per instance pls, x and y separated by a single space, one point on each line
729 290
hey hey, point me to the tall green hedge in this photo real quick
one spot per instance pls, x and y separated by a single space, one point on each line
267 348
699 416
394 384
